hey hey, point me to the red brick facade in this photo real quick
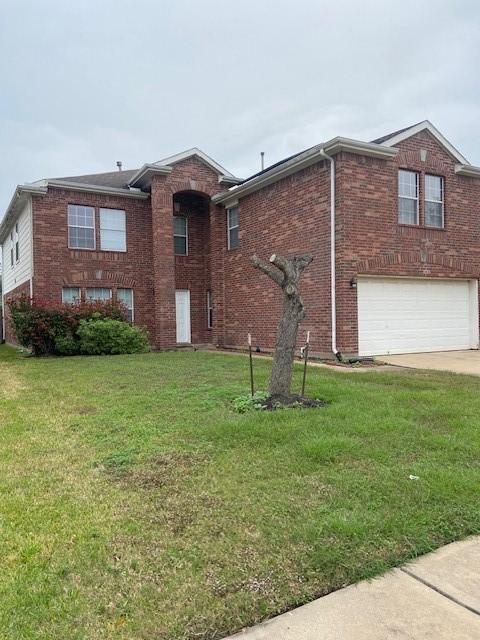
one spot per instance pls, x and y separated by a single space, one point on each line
290 216
371 241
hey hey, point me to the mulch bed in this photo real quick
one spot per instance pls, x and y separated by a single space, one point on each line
278 401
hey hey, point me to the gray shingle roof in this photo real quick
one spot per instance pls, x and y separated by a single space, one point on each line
392 134
115 179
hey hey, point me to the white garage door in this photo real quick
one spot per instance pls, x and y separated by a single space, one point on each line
401 315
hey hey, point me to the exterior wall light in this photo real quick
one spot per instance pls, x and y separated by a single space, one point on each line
353 283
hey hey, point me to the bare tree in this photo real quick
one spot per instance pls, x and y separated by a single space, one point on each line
286 273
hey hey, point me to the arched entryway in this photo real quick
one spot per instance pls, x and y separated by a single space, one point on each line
193 291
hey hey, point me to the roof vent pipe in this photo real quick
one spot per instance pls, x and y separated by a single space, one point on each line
262 159
119 165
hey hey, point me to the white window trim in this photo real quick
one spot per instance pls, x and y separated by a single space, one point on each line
12 251
80 226
79 294
87 299
16 245
181 235
124 231
209 309
442 201
417 198
229 228
133 301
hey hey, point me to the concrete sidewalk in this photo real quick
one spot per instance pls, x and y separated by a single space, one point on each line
437 597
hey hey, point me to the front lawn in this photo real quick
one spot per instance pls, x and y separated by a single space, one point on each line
134 503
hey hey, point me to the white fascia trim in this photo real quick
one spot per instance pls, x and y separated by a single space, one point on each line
467 170
338 144
19 198
426 125
147 171
195 151
304 160
80 186
227 180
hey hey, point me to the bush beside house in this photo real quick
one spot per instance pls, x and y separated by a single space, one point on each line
85 328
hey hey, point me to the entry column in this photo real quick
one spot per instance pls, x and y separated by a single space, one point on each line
163 263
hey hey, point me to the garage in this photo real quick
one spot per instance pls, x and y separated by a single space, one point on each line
412 315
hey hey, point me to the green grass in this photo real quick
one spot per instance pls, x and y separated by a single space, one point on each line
134 503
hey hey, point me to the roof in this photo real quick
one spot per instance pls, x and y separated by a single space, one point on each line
299 161
383 147
394 133
396 137
115 179
276 164
201 155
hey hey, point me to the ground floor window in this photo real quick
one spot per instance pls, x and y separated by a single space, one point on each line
98 293
70 295
126 296
209 309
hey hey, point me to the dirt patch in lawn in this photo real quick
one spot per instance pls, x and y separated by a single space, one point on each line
278 401
10 384
163 470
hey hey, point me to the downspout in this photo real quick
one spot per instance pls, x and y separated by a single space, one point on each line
30 202
333 300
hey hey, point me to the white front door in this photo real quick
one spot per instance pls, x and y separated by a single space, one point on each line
182 306
406 315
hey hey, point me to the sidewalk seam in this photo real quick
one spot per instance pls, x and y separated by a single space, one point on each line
440 591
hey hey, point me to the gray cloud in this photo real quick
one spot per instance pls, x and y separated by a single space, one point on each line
84 84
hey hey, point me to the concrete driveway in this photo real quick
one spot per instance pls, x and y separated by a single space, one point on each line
456 361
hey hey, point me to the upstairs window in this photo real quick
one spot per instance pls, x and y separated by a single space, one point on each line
408 197
180 236
98 294
113 235
11 249
233 224
70 295
81 227
126 296
17 244
434 201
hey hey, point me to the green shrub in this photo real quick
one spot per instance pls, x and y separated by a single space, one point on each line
52 329
67 345
242 404
109 337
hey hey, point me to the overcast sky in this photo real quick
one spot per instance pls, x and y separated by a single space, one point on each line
86 83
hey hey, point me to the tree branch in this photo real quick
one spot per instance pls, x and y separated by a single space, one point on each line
268 269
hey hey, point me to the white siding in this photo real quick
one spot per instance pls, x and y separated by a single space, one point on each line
22 270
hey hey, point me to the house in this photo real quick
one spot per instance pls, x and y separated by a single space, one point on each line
393 226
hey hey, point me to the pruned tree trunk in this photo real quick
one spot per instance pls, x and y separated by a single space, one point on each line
286 274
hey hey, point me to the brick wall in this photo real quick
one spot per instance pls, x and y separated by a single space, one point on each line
190 177
370 240
289 217
56 266
148 266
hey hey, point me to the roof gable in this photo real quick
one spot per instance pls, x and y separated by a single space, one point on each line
191 153
403 134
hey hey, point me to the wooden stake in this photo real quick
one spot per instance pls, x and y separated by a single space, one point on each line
251 363
305 355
